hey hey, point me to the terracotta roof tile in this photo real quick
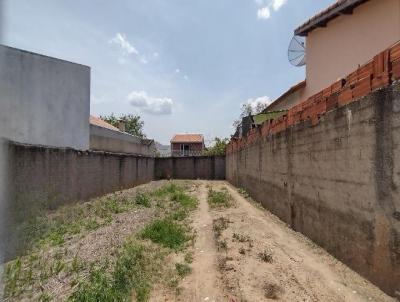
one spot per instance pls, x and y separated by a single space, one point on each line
187 138
99 122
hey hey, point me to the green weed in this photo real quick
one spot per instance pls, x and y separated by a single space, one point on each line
243 192
241 238
266 256
134 270
143 199
92 224
219 199
189 257
166 190
183 269
185 200
166 233
219 225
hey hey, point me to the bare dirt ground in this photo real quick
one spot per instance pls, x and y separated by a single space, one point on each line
253 257
264 260
204 284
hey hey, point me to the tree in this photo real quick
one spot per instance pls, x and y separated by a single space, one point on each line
133 124
250 109
218 148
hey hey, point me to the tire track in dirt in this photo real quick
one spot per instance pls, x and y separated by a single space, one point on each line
204 282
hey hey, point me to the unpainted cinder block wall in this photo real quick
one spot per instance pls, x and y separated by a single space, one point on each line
337 182
203 167
41 178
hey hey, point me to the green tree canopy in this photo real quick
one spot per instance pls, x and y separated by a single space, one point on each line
218 147
133 124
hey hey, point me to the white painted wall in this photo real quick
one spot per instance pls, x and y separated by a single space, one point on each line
43 100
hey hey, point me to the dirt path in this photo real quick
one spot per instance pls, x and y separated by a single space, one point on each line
204 282
266 260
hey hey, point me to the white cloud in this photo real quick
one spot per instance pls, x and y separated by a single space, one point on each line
186 77
121 40
149 104
257 103
277 4
143 60
177 70
263 13
156 54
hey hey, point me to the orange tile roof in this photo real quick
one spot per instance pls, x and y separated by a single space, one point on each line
322 18
187 138
93 120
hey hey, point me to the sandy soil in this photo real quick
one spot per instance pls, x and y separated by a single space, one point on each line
292 269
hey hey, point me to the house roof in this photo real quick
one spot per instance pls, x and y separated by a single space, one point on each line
93 120
187 138
340 7
291 90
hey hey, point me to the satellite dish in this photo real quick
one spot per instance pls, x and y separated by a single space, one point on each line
297 51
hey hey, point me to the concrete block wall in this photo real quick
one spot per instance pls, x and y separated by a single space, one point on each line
204 167
41 178
337 182
103 139
38 178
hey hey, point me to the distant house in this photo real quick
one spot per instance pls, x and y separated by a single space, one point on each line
290 98
342 37
187 145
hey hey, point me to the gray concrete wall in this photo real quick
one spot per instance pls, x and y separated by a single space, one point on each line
337 182
46 178
204 167
43 100
103 139
3 200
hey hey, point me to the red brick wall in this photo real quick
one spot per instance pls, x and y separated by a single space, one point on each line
378 73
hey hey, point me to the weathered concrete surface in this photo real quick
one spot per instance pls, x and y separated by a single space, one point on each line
336 182
205 167
3 199
44 101
103 139
42 178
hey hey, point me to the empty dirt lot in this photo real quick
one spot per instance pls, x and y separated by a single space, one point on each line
176 241
256 257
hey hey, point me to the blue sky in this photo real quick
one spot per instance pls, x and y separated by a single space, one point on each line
183 65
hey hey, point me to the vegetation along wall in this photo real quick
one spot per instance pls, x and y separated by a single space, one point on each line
336 181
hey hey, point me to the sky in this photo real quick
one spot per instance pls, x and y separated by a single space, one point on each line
184 66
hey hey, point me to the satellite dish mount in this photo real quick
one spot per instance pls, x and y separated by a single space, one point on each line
297 51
